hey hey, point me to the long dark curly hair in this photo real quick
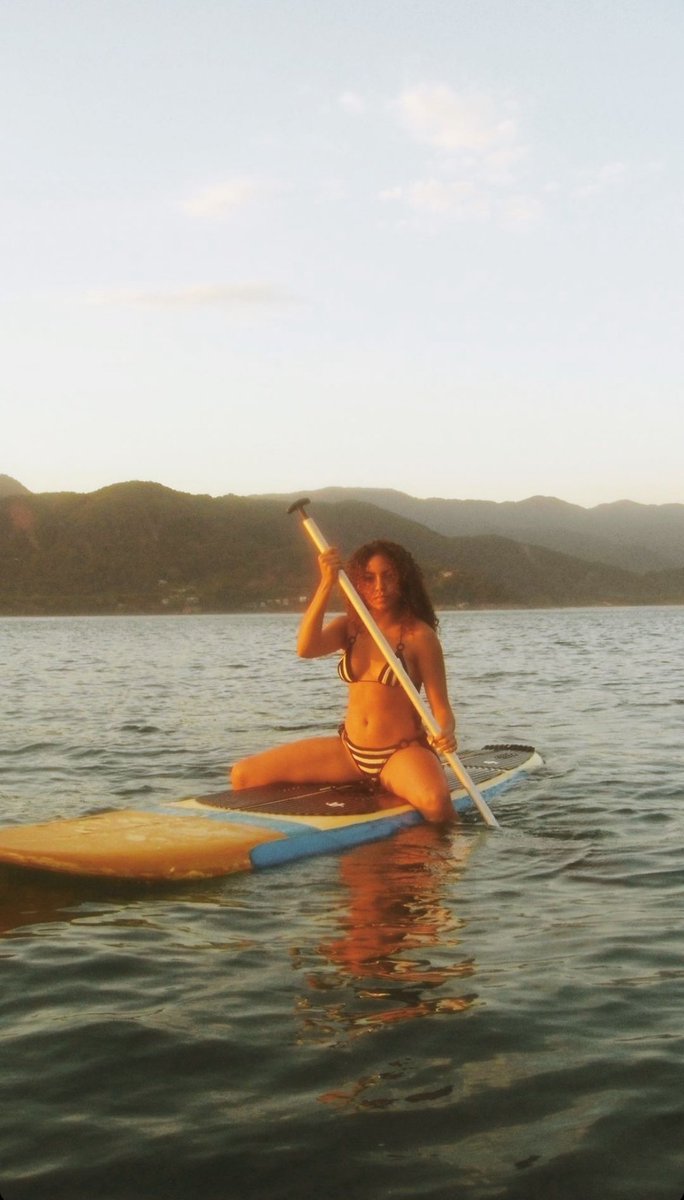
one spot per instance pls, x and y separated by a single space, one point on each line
414 594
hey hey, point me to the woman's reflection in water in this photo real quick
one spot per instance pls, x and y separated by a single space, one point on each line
396 915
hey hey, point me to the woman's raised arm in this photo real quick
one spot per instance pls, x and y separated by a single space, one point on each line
315 640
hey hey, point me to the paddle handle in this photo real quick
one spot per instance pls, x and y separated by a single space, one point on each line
402 675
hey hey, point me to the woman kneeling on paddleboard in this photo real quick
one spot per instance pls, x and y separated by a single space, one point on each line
381 738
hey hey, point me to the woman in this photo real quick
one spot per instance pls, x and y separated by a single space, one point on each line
382 738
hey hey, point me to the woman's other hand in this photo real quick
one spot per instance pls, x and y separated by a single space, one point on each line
446 742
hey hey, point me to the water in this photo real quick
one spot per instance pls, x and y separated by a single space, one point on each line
463 1016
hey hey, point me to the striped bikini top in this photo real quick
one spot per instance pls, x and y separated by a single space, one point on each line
385 675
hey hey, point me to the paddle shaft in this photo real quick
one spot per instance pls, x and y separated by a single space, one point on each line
402 675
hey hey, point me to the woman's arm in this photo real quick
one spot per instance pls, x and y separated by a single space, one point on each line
433 673
314 639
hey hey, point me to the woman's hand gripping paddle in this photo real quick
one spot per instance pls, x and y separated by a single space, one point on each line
404 679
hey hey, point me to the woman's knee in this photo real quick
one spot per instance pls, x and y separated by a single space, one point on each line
433 802
240 775
415 775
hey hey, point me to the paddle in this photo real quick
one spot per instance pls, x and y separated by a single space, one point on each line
404 679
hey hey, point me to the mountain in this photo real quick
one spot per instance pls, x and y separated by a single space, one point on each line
636 537
142 547
12 487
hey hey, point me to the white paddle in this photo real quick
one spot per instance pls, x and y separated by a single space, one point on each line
404 679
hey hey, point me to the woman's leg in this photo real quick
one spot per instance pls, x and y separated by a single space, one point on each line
314 760
415 774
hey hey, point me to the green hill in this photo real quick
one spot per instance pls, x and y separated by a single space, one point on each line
142 547
12 487
636 537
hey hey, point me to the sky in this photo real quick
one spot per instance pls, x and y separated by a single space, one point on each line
256 246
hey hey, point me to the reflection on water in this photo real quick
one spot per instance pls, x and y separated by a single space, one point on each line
28 899
396 957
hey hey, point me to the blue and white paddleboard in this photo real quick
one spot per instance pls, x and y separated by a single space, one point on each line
205 836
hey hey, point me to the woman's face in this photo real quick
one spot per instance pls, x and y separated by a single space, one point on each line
379 584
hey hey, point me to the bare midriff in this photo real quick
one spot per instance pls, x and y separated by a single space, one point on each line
379 716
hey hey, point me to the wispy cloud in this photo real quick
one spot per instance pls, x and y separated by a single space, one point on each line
520 209
458 122
608 177
353 103
475 156
459 198
222 200
237 296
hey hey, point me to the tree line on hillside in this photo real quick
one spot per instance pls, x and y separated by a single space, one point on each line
141 547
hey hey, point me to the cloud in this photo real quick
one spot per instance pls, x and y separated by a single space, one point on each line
606 178
222 200
468 122
520 210
464 201
474 161
458 198
352 103
237 296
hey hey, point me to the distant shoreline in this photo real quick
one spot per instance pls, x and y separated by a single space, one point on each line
599 605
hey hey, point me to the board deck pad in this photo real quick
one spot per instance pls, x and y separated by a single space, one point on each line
353 799
203 837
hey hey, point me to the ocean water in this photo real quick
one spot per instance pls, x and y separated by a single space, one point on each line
471 1015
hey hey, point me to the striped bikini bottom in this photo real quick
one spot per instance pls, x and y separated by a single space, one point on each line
371 762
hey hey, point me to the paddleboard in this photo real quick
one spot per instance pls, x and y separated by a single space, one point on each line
201 837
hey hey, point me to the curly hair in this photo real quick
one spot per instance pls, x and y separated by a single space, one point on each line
414 594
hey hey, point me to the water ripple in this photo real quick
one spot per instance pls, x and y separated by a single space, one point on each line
496 1014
